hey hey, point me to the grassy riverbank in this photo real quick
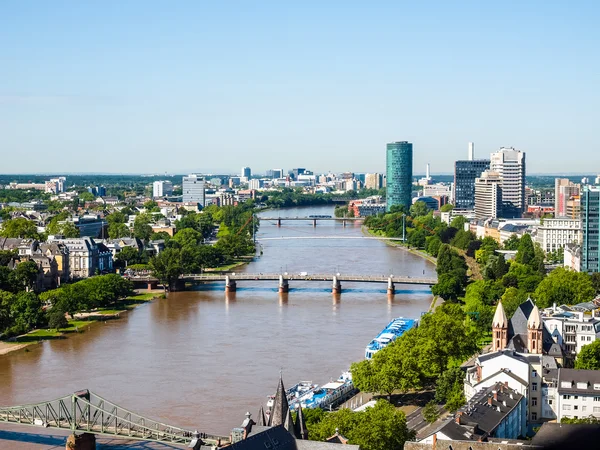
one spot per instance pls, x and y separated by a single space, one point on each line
79 323
398 244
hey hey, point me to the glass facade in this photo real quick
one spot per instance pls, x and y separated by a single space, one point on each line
465 173
590 224
399 162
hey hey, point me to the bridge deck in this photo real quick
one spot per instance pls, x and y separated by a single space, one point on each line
349 219
298 277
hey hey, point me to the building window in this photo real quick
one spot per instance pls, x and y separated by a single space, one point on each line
533 416
533 401
566 407
597 409
534 387
575 407
584 408
549 402
597 399
566 397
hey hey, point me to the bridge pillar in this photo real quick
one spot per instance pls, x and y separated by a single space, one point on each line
152 285
85 441
344 223
336 287
314 222
230 285
391 289
278 222
284 286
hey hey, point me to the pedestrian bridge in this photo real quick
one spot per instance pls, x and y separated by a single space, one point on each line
86 412
313 219
231 279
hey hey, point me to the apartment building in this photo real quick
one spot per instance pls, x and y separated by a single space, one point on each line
554 234
578 394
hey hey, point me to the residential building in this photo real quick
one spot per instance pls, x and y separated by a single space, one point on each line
572 257
193 189
84 256
488 195
554 234
399 161
510 165
574 207
578 394
373 180
162 189
256 184
494 412
564 189
571 329
370 206
590 221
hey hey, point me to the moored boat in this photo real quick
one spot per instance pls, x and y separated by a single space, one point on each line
389 334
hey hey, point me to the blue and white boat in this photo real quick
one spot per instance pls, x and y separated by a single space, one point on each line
327 396
389 334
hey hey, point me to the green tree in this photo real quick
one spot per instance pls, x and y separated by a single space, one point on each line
462 239
417 238
188 237
456 401
589 357
447 207
87 197
511 299
127 255
512 243
363 375
449 383
526 251
563 286
419 208
56 318
595 278
433 244
458 222
167 267
430 412
26 274
26 312
6 321
19 228
449 287
141 227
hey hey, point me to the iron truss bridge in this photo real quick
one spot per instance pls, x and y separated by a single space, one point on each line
86 412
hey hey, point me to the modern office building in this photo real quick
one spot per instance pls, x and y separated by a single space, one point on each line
590 224
274 173
510 165
465 174
161 189
193 189
488 196
399 162
246 173
564 190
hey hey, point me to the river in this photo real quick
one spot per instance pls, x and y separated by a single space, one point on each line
200 359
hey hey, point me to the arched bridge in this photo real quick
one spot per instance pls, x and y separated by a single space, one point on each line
231 279
86 412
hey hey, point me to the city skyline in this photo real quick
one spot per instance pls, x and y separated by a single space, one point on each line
209 85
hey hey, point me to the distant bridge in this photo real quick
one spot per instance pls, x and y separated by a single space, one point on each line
86 412
314 220
231 279
282 238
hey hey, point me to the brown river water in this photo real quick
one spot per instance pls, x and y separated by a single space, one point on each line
200 359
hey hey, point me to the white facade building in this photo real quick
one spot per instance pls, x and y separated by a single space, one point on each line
554 234
488 195
161 189
510 165
571 329
578 394
193 189
256 184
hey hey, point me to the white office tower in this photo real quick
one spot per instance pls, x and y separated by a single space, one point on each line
427 174
510 165
161 188
471 151
488 195
193 189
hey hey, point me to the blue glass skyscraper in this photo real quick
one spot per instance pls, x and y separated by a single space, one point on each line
399 162
590 224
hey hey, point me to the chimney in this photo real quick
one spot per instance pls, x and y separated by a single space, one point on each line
490 401
434 443
471 151
495 394
506 384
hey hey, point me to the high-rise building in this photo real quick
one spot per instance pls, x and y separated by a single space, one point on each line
488 195
161 188
399 162
465 174
246 173
564 189
193 189
590 224
510 165
373 180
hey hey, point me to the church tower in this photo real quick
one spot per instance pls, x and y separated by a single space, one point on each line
499 329
534 331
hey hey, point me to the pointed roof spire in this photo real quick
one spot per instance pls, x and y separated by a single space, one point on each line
261 417
500 320
300 430
289 422
535 319
280 406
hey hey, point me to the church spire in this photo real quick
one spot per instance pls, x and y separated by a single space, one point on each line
261 417
280 406
300 430
500 320
534 331
289 422
499 329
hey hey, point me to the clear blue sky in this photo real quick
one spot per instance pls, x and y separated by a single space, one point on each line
146 86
